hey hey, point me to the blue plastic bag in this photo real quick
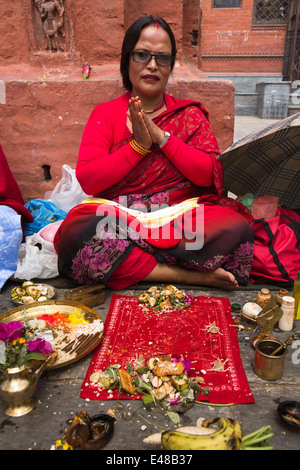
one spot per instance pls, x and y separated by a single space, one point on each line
44 213
10 240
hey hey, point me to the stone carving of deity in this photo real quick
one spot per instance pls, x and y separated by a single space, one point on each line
52 16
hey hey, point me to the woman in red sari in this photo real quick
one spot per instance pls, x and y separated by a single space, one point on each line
146 150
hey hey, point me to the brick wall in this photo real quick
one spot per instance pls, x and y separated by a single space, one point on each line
230 43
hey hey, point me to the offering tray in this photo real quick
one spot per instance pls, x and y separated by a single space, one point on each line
71 341
50 293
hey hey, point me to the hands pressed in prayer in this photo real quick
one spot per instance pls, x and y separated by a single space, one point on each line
145 131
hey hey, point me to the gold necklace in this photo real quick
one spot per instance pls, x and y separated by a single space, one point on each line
156 109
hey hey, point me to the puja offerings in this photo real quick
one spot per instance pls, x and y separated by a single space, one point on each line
40 336
72 329
165 324
30 292
165 299
160 380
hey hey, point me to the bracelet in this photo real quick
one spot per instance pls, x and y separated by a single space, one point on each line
138 148
166 138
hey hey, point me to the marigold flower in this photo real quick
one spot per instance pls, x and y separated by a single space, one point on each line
19 340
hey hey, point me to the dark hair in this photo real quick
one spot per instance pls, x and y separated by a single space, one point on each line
131 38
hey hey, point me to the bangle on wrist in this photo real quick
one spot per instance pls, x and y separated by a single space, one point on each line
165 139
138 148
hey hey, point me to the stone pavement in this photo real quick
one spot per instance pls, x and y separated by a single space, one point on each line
59 399
244 125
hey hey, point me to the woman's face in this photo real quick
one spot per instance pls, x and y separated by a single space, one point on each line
150 80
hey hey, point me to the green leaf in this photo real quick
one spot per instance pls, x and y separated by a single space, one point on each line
143 385
174 417
112 371
147 399
143 370
258 439
22 356
205 391
35 355
130 368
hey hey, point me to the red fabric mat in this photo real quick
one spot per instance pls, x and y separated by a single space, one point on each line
129 332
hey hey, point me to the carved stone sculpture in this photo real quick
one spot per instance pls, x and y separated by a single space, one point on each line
52 16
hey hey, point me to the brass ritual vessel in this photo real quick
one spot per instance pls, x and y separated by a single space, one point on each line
267 365
270 352
269 316
17 388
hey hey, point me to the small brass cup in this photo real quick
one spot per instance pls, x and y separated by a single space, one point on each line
266 366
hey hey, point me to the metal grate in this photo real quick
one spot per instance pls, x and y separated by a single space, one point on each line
226 3
270 11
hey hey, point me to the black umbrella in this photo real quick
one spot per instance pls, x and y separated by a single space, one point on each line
266 162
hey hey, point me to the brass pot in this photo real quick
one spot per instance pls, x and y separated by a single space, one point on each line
266 366
17 388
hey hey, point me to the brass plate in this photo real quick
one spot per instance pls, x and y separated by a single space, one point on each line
50 307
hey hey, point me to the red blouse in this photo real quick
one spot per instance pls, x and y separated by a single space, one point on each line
109 167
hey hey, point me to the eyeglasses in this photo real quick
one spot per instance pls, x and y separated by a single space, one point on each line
143 57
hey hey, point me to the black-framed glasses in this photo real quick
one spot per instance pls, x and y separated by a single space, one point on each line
144 57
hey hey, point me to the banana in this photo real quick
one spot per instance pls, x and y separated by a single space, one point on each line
227 437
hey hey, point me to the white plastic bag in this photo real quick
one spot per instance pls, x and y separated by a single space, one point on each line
37 259
68 192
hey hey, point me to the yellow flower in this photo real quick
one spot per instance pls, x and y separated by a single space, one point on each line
65 446
19 340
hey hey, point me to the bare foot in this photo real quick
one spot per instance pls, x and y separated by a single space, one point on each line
175 274
221 278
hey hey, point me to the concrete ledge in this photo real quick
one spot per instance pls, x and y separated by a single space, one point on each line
246 104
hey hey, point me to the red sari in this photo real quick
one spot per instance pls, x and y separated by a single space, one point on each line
10 194
187 167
